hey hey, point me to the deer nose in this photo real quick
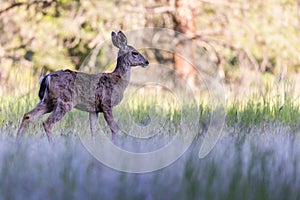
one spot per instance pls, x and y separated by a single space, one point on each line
145 64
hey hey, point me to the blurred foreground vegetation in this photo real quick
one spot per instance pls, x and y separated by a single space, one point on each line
262 167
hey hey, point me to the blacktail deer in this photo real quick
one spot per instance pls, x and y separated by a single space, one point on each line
64 90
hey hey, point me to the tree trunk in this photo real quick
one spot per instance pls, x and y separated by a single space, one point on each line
184 20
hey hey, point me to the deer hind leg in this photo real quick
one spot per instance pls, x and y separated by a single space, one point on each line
32 115
56 115
93 123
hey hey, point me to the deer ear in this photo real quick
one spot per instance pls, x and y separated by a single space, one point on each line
122 38
115 40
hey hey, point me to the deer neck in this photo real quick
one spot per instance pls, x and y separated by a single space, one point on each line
123 69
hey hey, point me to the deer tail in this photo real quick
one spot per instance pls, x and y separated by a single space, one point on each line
44 86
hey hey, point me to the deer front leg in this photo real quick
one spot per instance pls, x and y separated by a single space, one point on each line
93 123
108 116
39 110
57 114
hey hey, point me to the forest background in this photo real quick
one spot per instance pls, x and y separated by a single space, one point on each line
252 43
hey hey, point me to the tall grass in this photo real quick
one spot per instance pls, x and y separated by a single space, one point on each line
274 105
260 109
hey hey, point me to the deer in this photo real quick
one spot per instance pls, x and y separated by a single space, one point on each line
63 90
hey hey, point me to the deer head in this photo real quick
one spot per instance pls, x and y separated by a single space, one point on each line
128 53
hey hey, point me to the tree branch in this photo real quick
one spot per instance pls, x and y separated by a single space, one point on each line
27 4
12 6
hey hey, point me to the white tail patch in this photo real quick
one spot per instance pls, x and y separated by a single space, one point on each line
47 82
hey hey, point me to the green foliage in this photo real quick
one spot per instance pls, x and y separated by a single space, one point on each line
266 30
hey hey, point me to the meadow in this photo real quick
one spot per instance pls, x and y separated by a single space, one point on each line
256 157
245 145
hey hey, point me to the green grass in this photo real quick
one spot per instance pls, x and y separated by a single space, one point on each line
271 106
244 114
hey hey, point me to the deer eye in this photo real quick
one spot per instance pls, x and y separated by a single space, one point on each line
135 53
